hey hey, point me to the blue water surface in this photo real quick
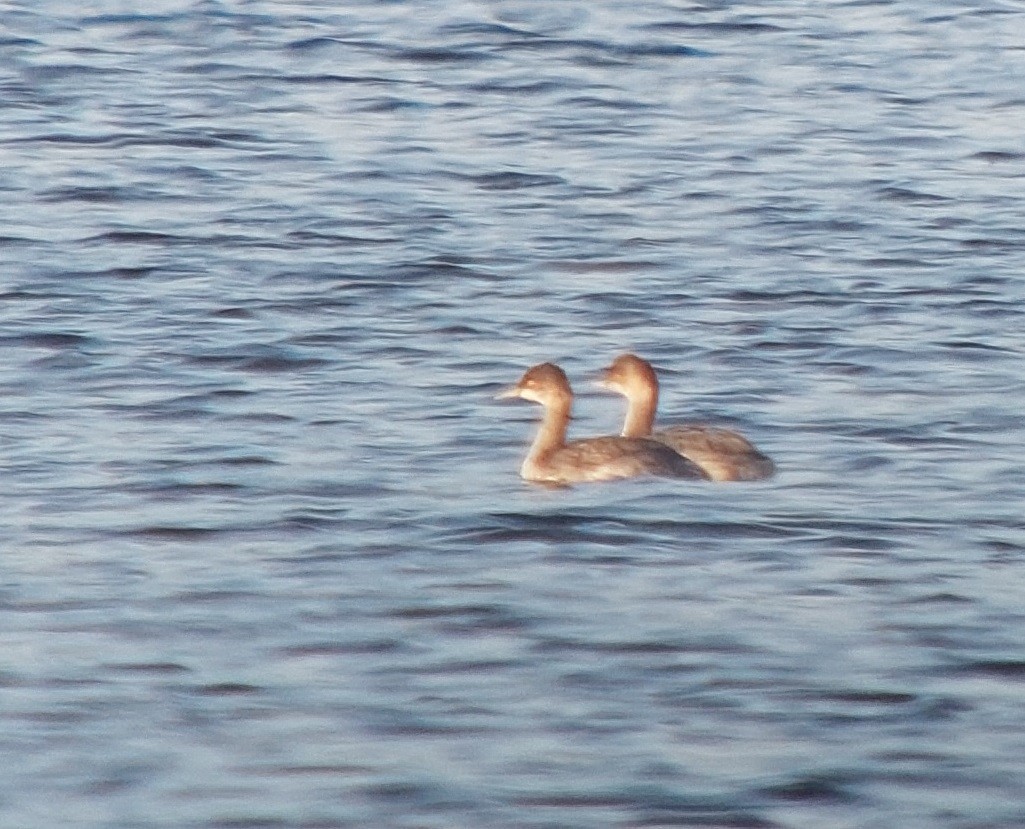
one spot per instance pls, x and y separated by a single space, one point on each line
266 559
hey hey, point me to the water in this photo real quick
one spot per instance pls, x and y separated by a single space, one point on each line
267 560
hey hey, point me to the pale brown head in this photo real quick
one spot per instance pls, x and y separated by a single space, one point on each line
629 375
545 383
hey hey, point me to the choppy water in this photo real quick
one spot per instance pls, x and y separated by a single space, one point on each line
266 560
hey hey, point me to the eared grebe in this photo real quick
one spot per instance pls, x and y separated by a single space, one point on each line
552 460
724 454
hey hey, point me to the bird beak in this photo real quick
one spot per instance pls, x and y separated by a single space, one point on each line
602 380
508 392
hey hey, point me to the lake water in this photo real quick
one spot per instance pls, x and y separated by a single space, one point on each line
266 557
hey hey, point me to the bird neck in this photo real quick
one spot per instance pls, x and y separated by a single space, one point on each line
552 433
640 413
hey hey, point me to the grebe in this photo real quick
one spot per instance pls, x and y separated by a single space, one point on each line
552 460
724 454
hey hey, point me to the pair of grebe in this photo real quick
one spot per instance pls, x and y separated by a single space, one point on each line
692 451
